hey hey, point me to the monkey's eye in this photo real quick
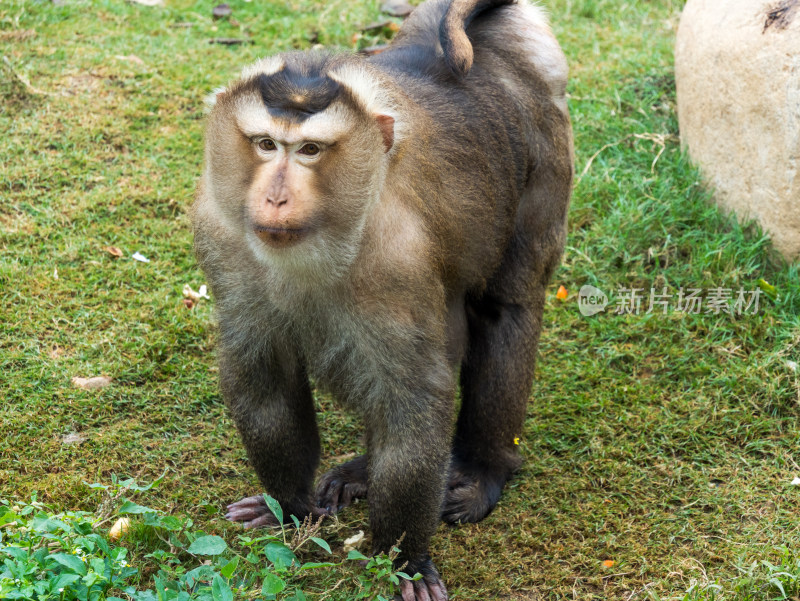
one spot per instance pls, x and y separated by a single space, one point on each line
309 149
266 144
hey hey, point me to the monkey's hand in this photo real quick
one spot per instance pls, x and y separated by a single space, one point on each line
428 588
342 485
254 513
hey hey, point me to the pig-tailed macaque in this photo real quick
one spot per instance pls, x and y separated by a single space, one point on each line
386 226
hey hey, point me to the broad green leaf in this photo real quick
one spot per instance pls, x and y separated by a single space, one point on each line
98 564
310 565
272 584
356 554
274 507
770 290
101 543
73 562
199 574
47 524
167 522
322 544
63 581
15 552
131 507
229 568
220 589
208 545
280 555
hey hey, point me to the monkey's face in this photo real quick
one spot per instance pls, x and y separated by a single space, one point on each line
292 182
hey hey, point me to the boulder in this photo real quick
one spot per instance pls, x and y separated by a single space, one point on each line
737 70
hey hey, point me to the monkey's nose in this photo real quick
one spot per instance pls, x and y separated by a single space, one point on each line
277 201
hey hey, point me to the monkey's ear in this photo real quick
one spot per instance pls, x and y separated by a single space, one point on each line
211 99
386 125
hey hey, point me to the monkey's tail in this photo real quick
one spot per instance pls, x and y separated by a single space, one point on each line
452 31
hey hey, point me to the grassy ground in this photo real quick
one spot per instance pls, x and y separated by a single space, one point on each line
665 444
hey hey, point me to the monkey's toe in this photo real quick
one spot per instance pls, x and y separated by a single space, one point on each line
471 494
342 485
428 588
253 512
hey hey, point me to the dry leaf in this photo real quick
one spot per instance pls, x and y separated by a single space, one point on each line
229 41
353 542
113 250
195 296
221 10
370 50
376 25
397 8
91 383
72 438
17 35
131 58
119 528
562 293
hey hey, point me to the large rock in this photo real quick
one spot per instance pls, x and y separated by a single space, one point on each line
737 69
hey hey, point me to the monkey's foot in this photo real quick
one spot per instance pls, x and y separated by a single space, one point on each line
342 485
472 492
428 588
254 513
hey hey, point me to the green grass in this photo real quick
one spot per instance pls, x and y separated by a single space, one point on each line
665 443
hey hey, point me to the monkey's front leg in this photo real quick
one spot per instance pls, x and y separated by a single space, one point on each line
269 398
409 451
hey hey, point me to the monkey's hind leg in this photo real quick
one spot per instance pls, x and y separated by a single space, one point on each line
342 485
496 376
497 371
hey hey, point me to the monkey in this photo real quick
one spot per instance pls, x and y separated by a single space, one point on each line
385 227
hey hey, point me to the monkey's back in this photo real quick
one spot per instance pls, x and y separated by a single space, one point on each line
491 128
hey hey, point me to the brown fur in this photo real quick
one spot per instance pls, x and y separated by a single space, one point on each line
431 226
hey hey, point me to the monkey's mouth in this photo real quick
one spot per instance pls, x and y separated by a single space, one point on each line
279 237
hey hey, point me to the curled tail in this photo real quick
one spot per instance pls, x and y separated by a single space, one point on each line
452 31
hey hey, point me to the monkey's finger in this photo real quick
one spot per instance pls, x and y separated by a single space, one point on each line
254 501
332 498
261 521
244 514
421 591
350 493
407 590
438 591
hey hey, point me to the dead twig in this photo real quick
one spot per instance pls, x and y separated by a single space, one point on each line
658 139
22 80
